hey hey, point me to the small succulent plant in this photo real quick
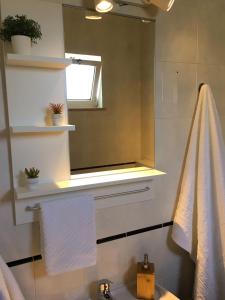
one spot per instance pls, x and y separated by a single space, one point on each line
56 108
32 172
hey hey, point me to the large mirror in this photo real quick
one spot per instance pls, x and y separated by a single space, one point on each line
110 90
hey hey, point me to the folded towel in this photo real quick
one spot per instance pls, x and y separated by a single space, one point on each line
199 224
68 234
9 289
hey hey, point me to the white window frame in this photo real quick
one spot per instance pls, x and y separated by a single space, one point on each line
94 102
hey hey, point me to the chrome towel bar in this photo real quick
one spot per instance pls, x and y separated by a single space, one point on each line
36 207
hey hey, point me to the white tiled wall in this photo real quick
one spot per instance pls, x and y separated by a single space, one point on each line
116 260
190 48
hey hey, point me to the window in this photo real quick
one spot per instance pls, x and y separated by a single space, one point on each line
83 81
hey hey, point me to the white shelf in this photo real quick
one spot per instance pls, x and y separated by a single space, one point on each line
37 61
101 186
88 181
31 128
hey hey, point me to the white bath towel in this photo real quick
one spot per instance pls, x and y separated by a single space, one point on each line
199 224
9 289
68 234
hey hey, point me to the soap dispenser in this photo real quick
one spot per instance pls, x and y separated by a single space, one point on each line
145 279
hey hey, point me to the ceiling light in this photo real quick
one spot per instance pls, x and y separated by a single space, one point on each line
163 4
92 15
103 6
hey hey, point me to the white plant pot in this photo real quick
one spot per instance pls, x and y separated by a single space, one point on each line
57 119
21 44
32 182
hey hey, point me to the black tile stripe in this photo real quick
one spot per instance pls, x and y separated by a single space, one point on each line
99 241
142 230
167 224
111 238
20 261
37 257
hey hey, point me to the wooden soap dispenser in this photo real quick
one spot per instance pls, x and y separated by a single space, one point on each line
145 280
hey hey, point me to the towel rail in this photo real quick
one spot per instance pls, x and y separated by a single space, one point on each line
36 207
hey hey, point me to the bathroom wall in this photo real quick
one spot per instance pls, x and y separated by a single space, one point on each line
189 49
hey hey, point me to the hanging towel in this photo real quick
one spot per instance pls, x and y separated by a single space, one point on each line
68 234
199 223
9 289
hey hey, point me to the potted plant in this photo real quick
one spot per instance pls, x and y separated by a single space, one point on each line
32 176
57 110
22 32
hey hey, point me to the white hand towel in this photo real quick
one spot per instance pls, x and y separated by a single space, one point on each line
9 289
199 224
68 234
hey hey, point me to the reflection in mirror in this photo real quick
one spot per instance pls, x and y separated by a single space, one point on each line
110 91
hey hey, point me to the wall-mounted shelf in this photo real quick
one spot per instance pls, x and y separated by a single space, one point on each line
86 181
37 61
31 128
109 188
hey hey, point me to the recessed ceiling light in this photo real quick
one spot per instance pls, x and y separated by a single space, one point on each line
103 6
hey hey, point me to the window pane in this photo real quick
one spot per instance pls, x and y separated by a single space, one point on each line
79 81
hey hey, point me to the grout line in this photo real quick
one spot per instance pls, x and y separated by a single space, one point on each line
34 258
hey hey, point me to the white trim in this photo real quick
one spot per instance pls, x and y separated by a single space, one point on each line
34 128
73 104
37 61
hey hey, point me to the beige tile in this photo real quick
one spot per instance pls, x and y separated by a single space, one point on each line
176 33
215 77
118 259
16 241
117 262
176 90
211 29
24 275
166 189
171 142
129 217
66 286
110 221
